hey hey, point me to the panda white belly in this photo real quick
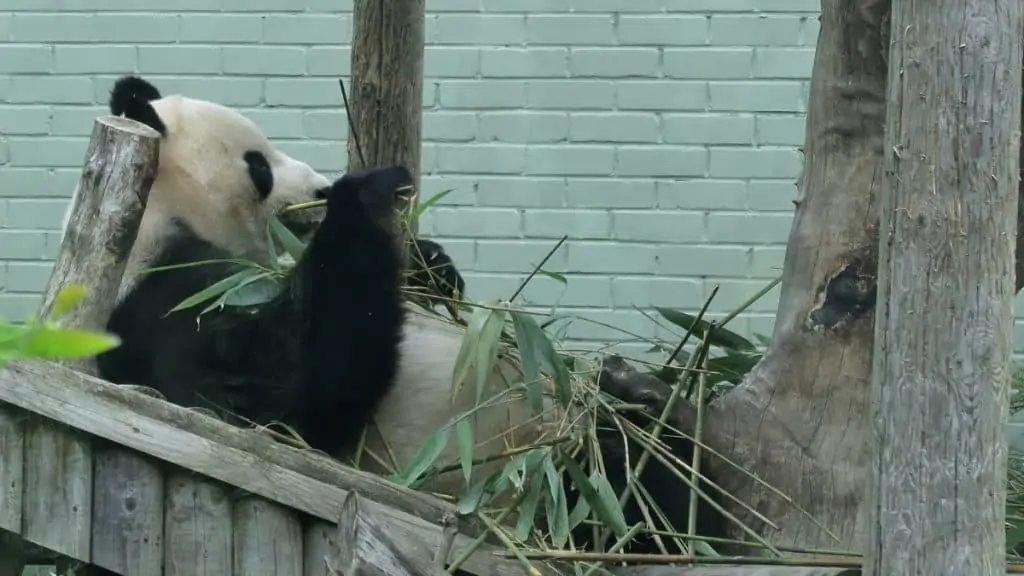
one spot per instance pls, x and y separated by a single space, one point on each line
420 403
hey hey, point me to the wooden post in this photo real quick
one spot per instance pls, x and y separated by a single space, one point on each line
386 102
120 165
945 289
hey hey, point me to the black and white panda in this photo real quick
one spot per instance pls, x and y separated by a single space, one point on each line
338 346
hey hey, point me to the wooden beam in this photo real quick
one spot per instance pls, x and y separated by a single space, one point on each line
244 458
386 103
944 320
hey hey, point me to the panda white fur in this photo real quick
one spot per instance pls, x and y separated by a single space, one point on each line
338 346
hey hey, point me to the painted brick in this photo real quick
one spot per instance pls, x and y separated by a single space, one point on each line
578 291
521 192
522 5
524 62
661 161
781 130
734 293
570 94
615 62
451 62
499 30
722 261
477 159
523 127
708 129
277 123
483 222
566 29
52 28
647 292
756 96
756 30
579 160
710 63
22 244
94 59
303 92
783 62
607 257
37 214
36 182
767 261
749 228
53 90
19 307
68 152
610 194
179 59
754 163
658 30
660 226
577 224
76 121
613 127
517 255
322 156
28 276
265 60
702 194
449 126
136 28
605 326
771 195
25 58
5 151
307 29
23 120
6 21
479 94
658 95
221 28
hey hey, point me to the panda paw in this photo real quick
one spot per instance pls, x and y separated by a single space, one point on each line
434 271
373 192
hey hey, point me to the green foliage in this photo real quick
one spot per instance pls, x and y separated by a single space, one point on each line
45 339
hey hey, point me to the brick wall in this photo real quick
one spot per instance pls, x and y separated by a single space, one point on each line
661 135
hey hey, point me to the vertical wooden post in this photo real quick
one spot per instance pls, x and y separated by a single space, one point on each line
943 326
386 102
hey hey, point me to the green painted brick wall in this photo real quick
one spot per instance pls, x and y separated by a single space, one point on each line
660 135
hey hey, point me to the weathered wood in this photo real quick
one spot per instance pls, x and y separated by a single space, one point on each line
267 539
943 330
12 467
12 554
246 459
320 542
365 549
733 570
127 511
58 488
197 527
120 165
387 87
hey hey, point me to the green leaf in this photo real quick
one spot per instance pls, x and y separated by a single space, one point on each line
556 506
553 275
529 351
12 332
425 458
482 492
720 336
528 509
528 331
422 207
292 245
487 349
259 289
213 290
468 348
53 343
465 435
587 489
610 500
67 299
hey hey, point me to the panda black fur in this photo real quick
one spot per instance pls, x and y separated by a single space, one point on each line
338 346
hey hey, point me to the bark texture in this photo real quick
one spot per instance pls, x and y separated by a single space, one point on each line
943 330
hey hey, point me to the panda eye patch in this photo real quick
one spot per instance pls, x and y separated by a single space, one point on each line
259 172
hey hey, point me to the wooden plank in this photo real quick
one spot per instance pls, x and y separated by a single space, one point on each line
197 527
319 544
127 512
12 467
301 480
58 488
12 556
365 548
268 539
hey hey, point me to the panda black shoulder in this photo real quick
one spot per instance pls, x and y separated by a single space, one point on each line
131 97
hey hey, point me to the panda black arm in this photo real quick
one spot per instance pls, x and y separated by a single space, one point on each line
433 271
349 281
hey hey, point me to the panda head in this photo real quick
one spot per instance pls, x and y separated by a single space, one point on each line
218 172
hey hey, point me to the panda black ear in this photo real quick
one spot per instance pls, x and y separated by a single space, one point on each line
131 97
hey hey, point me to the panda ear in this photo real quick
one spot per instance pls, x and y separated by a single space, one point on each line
131 97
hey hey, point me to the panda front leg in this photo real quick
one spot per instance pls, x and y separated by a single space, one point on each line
350 281
434 272
672 496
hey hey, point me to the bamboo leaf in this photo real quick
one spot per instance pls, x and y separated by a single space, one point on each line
594 498
465 436
528 331
487 349
528 509
425 457
609 500
67 299
529 352
556 506
259 289
422 207
720 337
468 349
482 492
214 290
291 244
51 343
553 275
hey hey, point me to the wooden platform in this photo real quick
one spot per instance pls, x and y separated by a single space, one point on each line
112 477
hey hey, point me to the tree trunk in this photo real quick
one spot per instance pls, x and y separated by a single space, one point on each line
385 111
809 394
949 205
808 398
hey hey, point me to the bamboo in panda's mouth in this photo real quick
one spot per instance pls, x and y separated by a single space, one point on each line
319 203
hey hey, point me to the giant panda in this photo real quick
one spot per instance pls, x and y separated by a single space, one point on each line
338 347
